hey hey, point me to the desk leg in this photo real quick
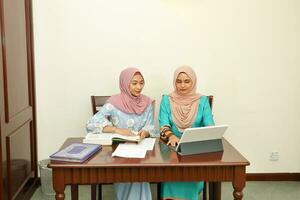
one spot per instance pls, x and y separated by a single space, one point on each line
214 190
74 192
59 183
239 182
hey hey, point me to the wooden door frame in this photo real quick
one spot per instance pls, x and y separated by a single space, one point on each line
28 187
31 79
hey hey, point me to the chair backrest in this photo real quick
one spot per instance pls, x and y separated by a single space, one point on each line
210 100
98 102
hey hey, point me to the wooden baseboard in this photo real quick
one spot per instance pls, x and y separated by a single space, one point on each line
273 177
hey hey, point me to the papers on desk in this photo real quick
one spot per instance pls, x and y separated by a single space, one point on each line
146 143
129 151
132 150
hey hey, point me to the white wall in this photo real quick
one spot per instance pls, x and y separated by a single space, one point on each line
245 52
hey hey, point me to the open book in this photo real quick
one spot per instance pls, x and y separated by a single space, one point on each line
108 138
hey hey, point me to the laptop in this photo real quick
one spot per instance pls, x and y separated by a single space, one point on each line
201 140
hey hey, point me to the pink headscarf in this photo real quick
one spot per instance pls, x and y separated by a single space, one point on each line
125 101
184 107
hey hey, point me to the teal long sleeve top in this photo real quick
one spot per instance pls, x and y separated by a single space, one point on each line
204 115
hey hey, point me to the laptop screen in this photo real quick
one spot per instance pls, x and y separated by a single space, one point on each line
203 133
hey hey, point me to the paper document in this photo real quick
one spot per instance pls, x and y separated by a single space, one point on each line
129 151
135 150
147 143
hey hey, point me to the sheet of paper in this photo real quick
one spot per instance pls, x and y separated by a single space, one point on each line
129 151
147 143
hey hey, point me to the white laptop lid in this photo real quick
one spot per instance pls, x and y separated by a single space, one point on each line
202 133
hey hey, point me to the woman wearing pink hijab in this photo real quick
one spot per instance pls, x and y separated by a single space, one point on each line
183 108
130 113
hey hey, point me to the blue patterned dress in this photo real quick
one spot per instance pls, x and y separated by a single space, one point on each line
119 119
183 190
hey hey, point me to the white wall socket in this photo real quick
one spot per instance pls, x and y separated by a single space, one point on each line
274 156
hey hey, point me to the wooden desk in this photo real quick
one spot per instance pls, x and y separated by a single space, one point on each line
161 164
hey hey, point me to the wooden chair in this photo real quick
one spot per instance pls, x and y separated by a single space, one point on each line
206 189
210 101
98 102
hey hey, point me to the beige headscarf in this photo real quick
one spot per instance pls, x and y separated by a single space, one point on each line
184 107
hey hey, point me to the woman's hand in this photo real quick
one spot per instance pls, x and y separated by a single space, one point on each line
173 140
143 134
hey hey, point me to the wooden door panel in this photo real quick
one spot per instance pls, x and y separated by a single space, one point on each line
18 158
18 120
3 183
17 123
16 65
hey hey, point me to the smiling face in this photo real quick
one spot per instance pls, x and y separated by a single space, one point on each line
136 84
184 84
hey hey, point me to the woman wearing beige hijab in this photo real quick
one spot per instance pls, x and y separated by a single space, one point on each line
181 109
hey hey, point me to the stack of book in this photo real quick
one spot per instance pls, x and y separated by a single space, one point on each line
109 138
76 152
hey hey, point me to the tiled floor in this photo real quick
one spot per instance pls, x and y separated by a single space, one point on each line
253 191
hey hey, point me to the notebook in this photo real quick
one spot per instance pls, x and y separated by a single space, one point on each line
76 152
